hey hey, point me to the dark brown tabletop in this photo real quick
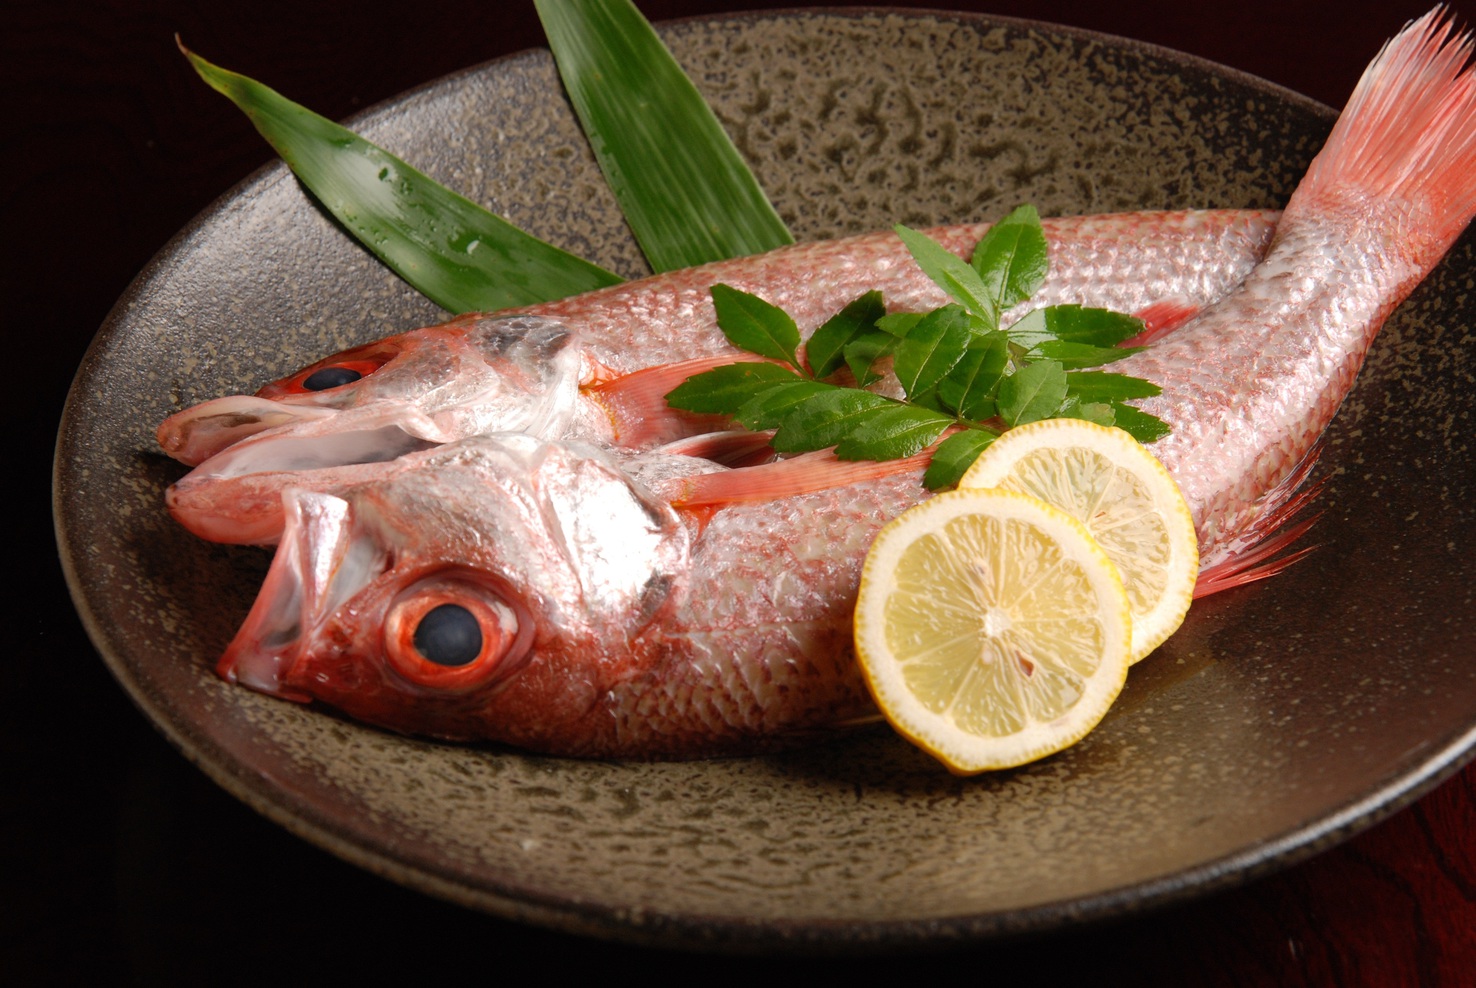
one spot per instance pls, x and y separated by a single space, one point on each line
120 862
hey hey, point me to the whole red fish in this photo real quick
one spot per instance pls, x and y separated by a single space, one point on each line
596 367
570 599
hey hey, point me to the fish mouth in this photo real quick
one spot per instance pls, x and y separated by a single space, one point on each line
205 430
235 495
321 563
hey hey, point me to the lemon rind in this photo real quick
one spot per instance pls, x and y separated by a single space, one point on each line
1153 628
963 753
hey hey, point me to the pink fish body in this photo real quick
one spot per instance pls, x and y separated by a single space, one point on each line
570 369
603 618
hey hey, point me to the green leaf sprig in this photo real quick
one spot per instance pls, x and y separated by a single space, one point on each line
958 369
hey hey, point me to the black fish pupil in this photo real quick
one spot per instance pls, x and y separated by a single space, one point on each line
448 635
330 377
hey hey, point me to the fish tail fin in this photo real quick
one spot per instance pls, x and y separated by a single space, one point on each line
1281 522
1407 136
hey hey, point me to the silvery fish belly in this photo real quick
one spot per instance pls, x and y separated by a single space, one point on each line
595 368
539 594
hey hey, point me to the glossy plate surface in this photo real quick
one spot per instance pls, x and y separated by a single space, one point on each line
1279 719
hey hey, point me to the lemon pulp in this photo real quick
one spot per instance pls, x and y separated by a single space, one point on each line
991 629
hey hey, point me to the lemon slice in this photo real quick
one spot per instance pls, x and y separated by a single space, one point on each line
1106 480
991 629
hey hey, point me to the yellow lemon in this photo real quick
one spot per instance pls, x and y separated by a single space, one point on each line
991 629
1106 480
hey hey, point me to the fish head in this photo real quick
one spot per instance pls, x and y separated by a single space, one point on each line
496 590
411 392
476 374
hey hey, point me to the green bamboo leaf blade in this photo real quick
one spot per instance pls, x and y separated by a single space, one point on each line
893 432
1033 392
686 192
955 455
755 325
1012 257
724 390
826 348
457 254
1106 386
824 419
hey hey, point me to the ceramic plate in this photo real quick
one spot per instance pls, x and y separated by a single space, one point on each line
1281 717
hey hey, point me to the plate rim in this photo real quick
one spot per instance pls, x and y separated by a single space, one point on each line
714 931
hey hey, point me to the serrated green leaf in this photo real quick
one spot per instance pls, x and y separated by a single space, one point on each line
899 324
1091 411
1074 324
724 390
1074 356
1030 330
952 274
955 455
892 432
1011 258
1104 386
1143 427
1097 327
931 349
825 418
825 350
685 190
865 351
768 407
969 389
1032 393
446 247
755 325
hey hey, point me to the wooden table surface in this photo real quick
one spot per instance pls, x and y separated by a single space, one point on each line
120 862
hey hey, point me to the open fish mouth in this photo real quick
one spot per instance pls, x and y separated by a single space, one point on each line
236 495
323 561
205 430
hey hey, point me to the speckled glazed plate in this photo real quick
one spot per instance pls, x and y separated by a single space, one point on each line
1281 717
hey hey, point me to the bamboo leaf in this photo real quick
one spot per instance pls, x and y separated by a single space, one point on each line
686 192
446 247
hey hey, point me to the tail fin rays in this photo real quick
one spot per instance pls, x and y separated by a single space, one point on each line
1408 133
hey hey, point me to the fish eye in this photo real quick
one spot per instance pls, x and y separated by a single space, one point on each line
448 635
455 631
336 371
330 377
